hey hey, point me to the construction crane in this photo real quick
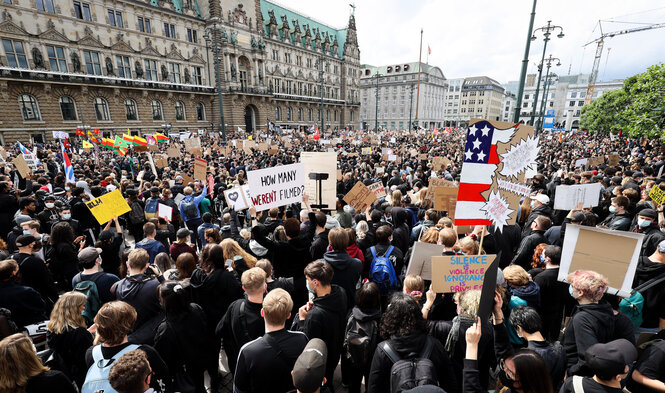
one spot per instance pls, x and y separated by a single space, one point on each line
599 51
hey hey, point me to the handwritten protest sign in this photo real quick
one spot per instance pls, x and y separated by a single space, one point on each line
21 166
437 164
613 254
595 161
459 273
192 144
173 152
568 197
108 206
200 168
613 159
161 161
445 199
165 212
276 186
657 195
421 259
378 189
238 198
434 183
359 197
580 162
320 181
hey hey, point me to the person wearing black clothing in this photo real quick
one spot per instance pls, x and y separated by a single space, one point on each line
49 216
592 322
401 231
529 243
325 316
507 241
319 244
553 293
242 321
265 364
82 214
110 244
90 260
8 206
25 304
182 334
649 267
647 224
619 219
33 270
649 372
346 269
406 332
540 206
62 256
383 242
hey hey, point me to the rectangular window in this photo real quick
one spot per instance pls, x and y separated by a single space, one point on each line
15 53
56 58
192 36
198 76
45 5
573 94
174 72
144 25
92 64
580 103
150 70
124 69
82 10
115 18
169 30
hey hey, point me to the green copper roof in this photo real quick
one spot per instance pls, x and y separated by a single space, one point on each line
178 5
304 22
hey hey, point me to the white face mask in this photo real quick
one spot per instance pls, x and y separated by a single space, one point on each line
49 205
643 223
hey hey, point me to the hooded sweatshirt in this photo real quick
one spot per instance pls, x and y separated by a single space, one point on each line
347 273
591 324
529 293
654 297
140 291
401 231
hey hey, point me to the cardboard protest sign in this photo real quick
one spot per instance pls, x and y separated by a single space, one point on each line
380 170
161 161
192 144
263 146
340 176
657 195
320 178
459 273
200 169
276 186
187 179
21 166
238 198
595 161
436 182
421 259
437 164
613 254
173 152
359 197
613 159
568 197
378 189
165 212
494 151
108 206
422 157
445 199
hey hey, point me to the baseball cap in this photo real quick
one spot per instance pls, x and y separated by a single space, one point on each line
650 213
542 198
610 358
616 180
105 235
155 190
58 191
310 367
89 254
183 233
25 240
22 218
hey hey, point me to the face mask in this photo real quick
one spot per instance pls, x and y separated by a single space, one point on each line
643 223
613 209
570 291
67 188
533 204
308 288
66 216
50 205
26 232
506 380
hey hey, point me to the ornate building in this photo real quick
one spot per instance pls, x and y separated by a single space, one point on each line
279 65
111 65
149 65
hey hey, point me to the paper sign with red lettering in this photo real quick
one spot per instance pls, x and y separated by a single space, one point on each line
276 186
459 273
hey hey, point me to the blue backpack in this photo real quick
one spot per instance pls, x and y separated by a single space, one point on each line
382 271
97 378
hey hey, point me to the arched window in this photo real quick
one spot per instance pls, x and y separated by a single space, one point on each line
288 113
29 107
157 113
200 111
102 109
299 114
179 110
130 110
68 108
278 113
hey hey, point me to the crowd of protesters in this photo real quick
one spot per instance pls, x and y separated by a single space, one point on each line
307 300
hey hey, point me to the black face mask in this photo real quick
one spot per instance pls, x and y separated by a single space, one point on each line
505 380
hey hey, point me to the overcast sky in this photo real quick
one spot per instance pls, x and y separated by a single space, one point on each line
487 37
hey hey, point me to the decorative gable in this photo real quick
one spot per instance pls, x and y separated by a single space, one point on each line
51 34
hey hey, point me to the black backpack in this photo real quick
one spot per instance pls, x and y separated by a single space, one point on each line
190 210
360 340
137 214
406 374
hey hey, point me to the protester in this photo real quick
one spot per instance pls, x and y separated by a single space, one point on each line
149 243
310 367
131 373
24 303
346 269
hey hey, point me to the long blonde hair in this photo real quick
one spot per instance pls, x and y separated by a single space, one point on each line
231 248
18 363
66 313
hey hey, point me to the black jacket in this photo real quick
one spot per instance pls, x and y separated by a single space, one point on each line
237 329
618 222
590 386
326 320
409 347
8 207
36 275
396 257
63 263
347 273
215 292
25 304
654 297
51 381
591 324
652 236
542 210
527 247
69 350
288 259
554 296
401 231
140 291
319 245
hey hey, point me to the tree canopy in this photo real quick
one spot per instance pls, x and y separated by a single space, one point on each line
638 108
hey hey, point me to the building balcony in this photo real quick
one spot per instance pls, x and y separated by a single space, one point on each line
297 97
259 91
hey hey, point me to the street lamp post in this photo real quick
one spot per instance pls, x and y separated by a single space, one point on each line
546 90
320 62
376 111
547 31
525 63
411 106
214 29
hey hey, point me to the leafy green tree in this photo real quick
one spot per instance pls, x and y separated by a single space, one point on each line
607 113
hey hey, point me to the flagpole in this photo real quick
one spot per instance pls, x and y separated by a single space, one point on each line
420 56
